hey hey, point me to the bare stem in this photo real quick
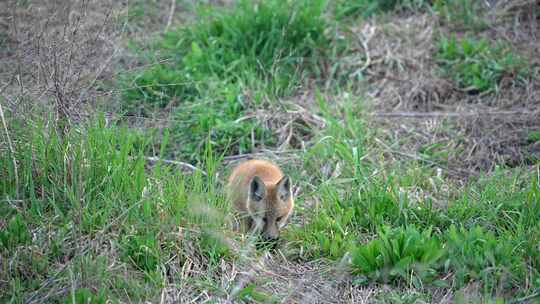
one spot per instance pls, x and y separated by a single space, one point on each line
12 151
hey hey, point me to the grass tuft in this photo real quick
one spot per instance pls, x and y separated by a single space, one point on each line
461 14
205 72
476 66
367 8
403 253
16 233
478 255
269 45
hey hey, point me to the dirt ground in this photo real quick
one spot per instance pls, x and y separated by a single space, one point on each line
55 52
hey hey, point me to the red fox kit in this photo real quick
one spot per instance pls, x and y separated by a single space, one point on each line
262 195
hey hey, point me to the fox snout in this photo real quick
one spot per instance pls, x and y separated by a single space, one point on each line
263 196
270 232
269 238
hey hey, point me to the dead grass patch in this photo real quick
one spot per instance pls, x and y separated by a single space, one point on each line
58 52
422 110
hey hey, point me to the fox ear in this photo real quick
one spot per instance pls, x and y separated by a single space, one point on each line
257 189
284 187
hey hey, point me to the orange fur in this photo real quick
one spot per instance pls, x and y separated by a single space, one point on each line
262 196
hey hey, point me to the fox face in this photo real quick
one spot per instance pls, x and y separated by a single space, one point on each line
262 196
269 206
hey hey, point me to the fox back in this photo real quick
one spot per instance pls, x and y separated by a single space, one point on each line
262 195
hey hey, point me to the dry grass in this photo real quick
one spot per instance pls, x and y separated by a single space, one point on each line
414 105
60 52
57 52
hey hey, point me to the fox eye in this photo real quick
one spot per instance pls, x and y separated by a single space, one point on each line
279 219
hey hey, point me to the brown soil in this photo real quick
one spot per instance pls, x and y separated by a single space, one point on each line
55 53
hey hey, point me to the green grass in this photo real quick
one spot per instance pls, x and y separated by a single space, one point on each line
461 14
86 296
533 136
15 233
403 297
403 253
138 10
220 119
496 250
205 73
498 216
477 254
83 193
354 205
86 218
88 200
366 8
476 65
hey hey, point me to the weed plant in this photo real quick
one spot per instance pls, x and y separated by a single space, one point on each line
477 66
367 8
461 14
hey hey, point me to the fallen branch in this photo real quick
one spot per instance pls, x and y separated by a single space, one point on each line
447 114
175 162
257 154
527 298
456 171
364 39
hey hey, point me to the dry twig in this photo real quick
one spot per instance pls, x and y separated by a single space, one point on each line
11 150
177 163
171 14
